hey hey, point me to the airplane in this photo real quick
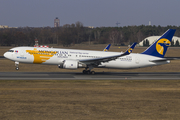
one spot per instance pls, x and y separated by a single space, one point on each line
88 59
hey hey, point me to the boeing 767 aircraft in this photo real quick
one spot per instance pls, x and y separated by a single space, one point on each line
73 59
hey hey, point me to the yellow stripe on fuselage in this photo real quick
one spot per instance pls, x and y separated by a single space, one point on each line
41 56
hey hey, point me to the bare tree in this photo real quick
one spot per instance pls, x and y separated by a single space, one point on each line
114 37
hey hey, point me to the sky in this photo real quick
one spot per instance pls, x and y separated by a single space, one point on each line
97 13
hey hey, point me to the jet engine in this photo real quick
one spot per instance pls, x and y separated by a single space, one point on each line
70 64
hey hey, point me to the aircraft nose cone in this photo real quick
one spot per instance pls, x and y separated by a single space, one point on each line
6 55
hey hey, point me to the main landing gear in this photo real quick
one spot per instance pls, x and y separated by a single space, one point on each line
88 71
17 64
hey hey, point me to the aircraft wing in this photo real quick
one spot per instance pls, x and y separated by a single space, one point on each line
97 61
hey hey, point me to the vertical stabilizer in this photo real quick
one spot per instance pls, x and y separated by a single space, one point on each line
159 47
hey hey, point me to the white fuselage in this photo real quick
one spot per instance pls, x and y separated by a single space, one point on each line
56 56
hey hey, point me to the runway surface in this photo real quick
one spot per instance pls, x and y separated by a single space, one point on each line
81 76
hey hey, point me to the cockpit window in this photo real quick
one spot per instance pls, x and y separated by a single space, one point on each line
10 50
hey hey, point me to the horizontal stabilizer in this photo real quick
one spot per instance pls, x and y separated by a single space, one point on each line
164 59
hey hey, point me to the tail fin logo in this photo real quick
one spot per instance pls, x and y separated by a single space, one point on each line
161 45
105 50
130 50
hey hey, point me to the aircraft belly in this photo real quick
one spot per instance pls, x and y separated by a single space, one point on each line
118 64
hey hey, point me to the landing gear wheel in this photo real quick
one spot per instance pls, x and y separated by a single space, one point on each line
92 72
84 71
88 72
17 64
17 68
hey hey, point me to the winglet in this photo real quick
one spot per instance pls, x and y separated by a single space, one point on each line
129 50
107 48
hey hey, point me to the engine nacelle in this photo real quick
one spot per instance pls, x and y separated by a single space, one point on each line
70 64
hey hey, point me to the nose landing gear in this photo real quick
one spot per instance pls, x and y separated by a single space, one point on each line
17 65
